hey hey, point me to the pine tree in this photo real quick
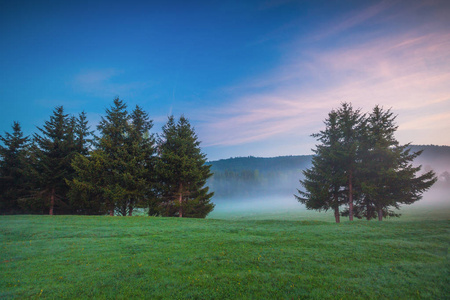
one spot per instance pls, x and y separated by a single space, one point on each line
54 152
14 177
324 180
361 154
142 150
90 184
182 172
83 135
118 175
350 125
379 161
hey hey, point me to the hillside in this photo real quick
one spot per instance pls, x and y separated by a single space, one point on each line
252 177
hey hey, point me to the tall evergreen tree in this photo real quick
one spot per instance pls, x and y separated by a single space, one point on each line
380 158
117 175
182 171
324 181
350 127
54 153
142 150
359 153
13 169
388 178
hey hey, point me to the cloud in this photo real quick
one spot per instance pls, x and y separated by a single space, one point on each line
408 72
107 82
354 19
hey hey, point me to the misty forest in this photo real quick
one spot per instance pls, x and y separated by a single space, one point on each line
358 169
269 230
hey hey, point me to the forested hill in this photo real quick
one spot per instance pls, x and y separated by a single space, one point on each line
435 157
262 164
256 176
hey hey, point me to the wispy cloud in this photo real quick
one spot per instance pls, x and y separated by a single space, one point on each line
353 19
101 82
408 72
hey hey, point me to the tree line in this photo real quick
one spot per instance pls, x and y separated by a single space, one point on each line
359 169
66 169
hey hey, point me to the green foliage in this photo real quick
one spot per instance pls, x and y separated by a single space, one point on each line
66 257
182 172
325 180
54 150
118 175
14 170
359 156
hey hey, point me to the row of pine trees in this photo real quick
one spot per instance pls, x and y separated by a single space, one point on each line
66 169
359 168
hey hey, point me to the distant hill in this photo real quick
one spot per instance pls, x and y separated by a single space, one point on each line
263 164
433 157
250 177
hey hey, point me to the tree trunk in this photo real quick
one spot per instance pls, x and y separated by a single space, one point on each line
380 214
368 212
52 202
180 212
336 209
111 211
336 214
130 211
350 196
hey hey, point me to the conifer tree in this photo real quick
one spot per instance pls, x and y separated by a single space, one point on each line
117 176
324 181
14 178
362 154
182 172
388 178
83 135
350 124
142 151
102 176
54 152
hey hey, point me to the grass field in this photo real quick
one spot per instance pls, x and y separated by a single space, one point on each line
306 256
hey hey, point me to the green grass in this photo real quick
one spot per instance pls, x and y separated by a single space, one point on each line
141 257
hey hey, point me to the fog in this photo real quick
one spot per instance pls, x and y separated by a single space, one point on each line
266 186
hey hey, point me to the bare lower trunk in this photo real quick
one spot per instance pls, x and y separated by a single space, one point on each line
350 196
336 209
52 202
130 211
111 211
180 199
336 215
380 214
368 212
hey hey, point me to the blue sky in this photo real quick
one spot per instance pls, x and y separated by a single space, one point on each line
254 77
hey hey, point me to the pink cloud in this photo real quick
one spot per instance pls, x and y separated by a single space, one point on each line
408 73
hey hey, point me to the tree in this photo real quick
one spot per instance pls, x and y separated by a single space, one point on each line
142 150
13 169
387 175
54 152
118 175
109 160
350 124
182 172
380 158
324 180
82 138
361 153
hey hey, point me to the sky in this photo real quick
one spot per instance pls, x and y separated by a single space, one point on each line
253 77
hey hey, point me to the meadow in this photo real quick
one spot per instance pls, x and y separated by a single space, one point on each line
269 255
